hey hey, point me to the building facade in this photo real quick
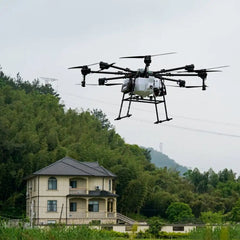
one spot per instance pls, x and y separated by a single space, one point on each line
71 192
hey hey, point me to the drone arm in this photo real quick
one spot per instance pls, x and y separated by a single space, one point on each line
123 69
169 70
114 78
171 80
187 67
179 74
105 72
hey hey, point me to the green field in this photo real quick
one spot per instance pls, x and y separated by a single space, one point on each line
85 233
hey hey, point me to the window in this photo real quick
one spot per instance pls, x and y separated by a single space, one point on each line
110 185
178 228
52 183
52 205
34 184
51 221
73 183
93 206
73 206
110 206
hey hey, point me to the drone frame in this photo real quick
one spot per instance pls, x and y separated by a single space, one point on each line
163 75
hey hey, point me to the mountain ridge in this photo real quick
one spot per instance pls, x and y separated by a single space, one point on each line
161 160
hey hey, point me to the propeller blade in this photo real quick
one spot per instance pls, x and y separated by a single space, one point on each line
133 57
218 67
162 54
83 66
143 56
212 69
199 70
194 86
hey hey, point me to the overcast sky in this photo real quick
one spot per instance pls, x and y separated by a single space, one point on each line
43 38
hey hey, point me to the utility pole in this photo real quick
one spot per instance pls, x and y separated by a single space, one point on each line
161 147
31 214
61 214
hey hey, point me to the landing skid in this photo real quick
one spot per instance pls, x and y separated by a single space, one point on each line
160 121
138 99
119 118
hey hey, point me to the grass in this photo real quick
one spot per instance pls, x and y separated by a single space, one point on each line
84 233
57 233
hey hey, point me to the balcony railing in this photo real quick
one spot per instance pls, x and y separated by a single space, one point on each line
77 191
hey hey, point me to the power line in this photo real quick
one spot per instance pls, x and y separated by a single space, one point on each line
204 131
175 116
176 126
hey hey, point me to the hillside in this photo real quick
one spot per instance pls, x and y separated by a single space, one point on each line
161 160
36 130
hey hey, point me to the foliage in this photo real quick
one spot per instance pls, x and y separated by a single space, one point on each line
36 130
221 232
155 224
58 233
212 218
235 213
179 212
162 235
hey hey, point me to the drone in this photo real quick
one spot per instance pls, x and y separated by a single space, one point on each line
143 85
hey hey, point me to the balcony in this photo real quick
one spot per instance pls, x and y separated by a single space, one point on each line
77 191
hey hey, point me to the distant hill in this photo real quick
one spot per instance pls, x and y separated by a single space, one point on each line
161 160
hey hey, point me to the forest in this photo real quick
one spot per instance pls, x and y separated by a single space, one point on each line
36 130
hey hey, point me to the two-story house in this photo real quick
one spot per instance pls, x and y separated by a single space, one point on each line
71 192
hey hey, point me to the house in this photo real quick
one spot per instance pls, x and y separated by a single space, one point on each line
71 192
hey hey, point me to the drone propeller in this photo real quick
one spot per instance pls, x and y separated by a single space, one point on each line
218 67
212 69
83 66
144 56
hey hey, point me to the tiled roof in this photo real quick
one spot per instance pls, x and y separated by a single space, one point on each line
71 167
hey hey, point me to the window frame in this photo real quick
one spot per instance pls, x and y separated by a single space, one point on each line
93 206
52 183
73 207
73 181
52 205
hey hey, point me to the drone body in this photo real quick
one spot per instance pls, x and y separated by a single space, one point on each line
145 86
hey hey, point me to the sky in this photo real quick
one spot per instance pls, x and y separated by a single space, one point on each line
44 38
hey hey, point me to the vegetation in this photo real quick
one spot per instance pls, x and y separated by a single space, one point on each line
36 130
59 233
162 160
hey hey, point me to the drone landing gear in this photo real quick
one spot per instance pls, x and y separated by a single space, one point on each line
165 108
151 100
129 105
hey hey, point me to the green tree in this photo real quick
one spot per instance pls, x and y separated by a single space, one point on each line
179 212
212 218
235 213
